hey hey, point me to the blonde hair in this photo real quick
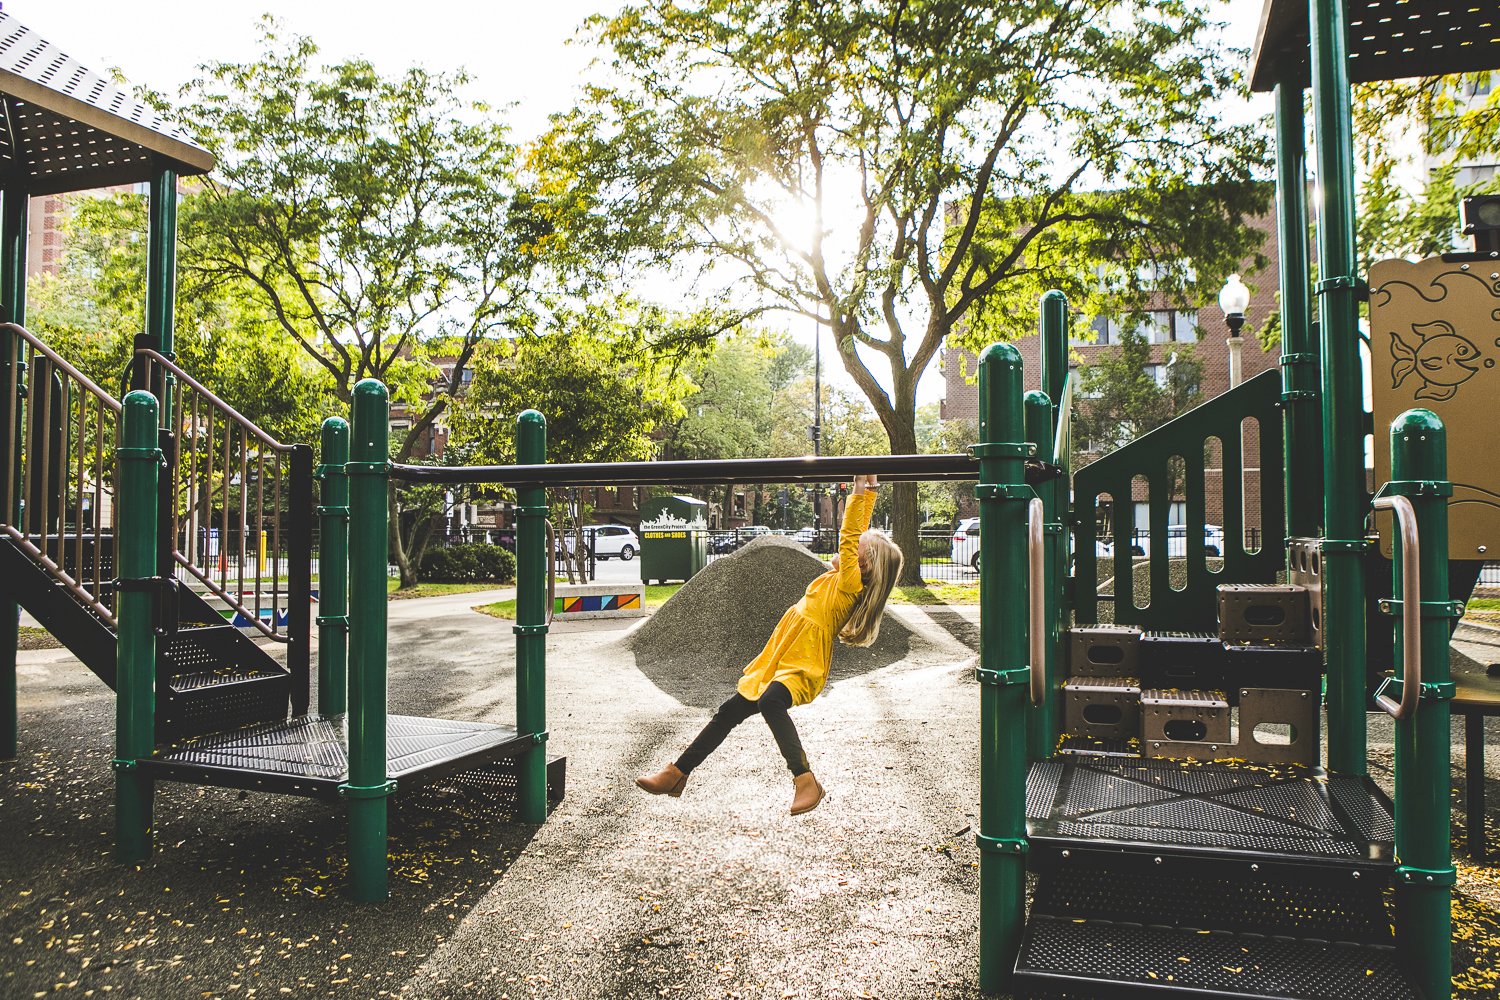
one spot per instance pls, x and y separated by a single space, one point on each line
863 624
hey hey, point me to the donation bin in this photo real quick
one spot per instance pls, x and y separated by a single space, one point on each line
674 538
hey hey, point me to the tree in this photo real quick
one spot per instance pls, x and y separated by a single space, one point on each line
1122 398
963 132
91 309
379 220
595 377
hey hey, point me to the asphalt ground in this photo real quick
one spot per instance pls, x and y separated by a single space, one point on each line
717 894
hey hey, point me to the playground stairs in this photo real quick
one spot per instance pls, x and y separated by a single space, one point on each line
209 675
1184 839
235 548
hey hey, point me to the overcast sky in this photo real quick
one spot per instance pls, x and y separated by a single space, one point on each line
518 53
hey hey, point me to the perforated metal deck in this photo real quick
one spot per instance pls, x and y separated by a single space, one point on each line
308 755
1098 931
1219 809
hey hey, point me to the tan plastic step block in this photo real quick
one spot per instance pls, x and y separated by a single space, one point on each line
1178 724
1104 708
1104 651
1263 614
1279 726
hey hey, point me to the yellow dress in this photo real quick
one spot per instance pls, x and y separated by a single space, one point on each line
800 650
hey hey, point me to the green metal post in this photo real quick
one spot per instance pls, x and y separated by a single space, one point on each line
333 569
1042 720
13 212
368 787
1299 357
161 261
135 642
1425 875
1344 497
1003 674
531 621
1054 354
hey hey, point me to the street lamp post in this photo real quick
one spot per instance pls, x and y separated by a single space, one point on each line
815 431
1234 299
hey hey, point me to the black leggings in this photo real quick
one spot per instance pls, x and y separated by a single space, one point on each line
772 706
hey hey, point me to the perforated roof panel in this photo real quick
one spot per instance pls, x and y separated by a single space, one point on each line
1388 40
64 127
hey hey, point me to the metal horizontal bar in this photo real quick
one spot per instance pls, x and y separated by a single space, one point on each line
892 468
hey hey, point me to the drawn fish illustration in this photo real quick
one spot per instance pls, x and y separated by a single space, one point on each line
1441 358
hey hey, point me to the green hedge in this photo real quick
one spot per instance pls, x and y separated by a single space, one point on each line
470 562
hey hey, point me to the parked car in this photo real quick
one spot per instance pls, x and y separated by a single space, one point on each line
965 549
1213 541
805 535
728 541
607 541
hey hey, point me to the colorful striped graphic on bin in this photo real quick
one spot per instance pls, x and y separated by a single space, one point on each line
598 602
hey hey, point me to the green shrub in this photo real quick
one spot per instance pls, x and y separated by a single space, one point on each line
470 562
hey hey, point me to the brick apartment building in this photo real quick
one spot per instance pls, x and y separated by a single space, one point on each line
1168 328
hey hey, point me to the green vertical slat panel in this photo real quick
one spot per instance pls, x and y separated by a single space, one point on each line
1195 608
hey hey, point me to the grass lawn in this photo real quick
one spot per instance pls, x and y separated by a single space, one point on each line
656 596
937 593
1483 609
436 589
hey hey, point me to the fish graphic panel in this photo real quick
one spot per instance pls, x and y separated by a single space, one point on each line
1434 343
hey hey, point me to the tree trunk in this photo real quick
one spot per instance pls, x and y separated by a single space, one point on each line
406 567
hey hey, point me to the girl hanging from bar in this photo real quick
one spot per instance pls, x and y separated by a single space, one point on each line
847 601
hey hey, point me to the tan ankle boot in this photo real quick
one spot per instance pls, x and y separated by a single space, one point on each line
668 781
808 793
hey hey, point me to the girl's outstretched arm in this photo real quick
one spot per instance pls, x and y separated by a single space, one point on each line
856 521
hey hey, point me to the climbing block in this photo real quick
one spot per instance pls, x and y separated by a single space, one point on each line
1304 568
1184 723
1191 660
1103 651
1262 613
1272 666
1104 708
1291 726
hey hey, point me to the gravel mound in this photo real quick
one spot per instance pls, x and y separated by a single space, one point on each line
696 645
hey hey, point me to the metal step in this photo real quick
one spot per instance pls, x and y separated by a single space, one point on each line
1272 815
1100 930
308 755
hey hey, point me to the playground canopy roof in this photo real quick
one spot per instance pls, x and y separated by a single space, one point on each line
1388 40
64 127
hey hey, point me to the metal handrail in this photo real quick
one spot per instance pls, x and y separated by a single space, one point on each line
62 365
244 422
1411 609
1036 565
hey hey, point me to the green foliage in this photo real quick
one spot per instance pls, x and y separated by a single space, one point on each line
1399 219
601 388
1121 400
380 220
934 151
92 308
470 562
